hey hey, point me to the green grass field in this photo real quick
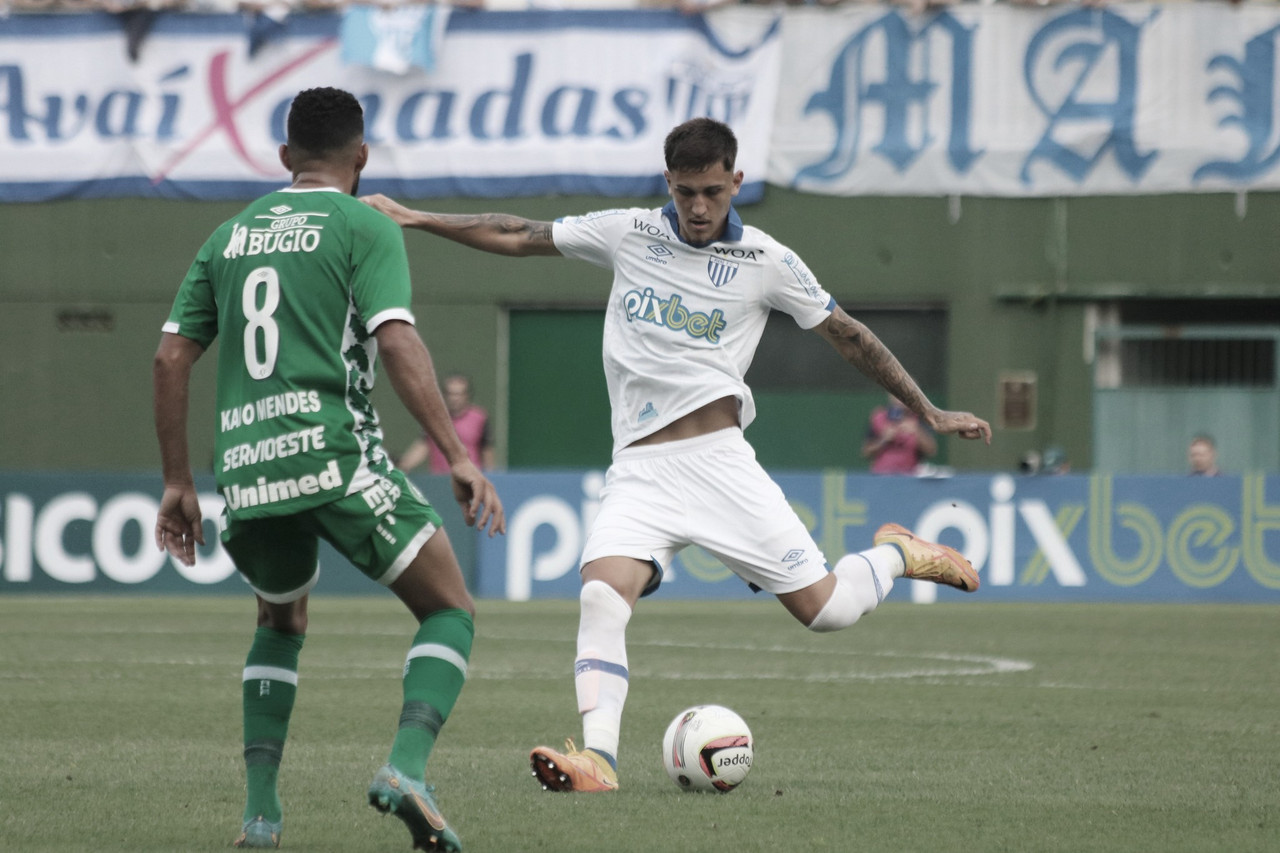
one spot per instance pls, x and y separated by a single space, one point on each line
953 727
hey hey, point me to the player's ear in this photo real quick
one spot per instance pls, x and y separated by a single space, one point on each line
737 181
284 158
362 158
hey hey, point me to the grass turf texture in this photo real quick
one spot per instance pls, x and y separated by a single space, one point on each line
947 727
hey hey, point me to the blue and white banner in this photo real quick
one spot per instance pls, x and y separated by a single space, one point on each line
973 99
1052 538
518 103
1008 101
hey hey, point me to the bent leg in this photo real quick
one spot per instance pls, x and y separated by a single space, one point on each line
855 587
433 589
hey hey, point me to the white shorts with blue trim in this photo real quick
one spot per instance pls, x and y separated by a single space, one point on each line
708 491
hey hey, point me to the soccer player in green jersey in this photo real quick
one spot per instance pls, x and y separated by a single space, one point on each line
308 287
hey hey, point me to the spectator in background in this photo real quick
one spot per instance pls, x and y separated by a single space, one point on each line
1202 456
897 441
1052 461
471 423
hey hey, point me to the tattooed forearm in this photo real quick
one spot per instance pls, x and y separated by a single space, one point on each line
503 223
494 232
860 347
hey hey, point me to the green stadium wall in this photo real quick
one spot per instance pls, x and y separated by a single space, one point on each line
85 286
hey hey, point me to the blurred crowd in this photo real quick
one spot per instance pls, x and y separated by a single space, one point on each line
279 9
267 19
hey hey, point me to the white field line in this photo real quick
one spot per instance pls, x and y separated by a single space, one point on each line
912 665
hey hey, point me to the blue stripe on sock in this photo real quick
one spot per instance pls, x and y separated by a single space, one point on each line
609 757
608 667
875 578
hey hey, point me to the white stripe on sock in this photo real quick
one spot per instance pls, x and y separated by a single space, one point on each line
436 650
270 673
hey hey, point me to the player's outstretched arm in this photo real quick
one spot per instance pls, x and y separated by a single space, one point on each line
178 525
500 233
859 346
409 367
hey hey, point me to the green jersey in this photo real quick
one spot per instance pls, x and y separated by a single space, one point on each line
296 284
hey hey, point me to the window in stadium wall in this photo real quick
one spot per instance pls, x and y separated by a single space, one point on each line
1168 371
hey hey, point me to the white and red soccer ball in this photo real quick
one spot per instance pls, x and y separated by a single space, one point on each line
707 748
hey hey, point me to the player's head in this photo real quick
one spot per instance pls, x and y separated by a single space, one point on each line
699 144
325 133
700 156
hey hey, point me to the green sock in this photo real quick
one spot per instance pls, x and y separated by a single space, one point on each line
270 685
433 676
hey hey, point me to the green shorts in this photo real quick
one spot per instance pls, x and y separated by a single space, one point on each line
380 530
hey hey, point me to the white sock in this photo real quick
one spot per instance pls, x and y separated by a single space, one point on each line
862 582
600 670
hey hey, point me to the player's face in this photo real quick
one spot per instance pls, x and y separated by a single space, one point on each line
702 200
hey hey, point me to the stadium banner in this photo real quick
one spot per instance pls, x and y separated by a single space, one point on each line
1050 538
1004 100
93 533
1033 538
516 103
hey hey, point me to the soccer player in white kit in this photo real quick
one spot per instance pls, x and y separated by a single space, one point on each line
692 289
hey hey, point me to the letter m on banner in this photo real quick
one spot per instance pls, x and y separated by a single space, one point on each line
889 68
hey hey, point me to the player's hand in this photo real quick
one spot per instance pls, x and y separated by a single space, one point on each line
964 424
401 214
481 506
179 526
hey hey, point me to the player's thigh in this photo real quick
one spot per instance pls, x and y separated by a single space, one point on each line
383 529
743 518
433 580
277 555
640 518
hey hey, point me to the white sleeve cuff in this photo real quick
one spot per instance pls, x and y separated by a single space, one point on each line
390 314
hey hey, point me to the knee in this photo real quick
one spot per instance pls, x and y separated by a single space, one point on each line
288 618
599 599
840 611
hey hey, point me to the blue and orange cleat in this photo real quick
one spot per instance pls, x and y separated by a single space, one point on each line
259 833
584 771
413 802
928 561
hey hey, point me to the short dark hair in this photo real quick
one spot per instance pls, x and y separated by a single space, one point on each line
324 120
699 144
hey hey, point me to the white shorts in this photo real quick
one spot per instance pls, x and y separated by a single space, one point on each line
708 491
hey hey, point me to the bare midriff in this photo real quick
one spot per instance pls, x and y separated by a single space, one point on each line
716 415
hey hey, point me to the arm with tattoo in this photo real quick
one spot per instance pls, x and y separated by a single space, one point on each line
499 233
859 346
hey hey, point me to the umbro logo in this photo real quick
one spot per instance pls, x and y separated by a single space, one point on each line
658 253
281 209
792 555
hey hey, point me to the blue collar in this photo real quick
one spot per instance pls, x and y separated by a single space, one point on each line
732 228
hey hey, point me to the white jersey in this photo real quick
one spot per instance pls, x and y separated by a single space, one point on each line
684 321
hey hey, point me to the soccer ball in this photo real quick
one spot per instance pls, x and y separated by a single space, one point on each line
707 748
